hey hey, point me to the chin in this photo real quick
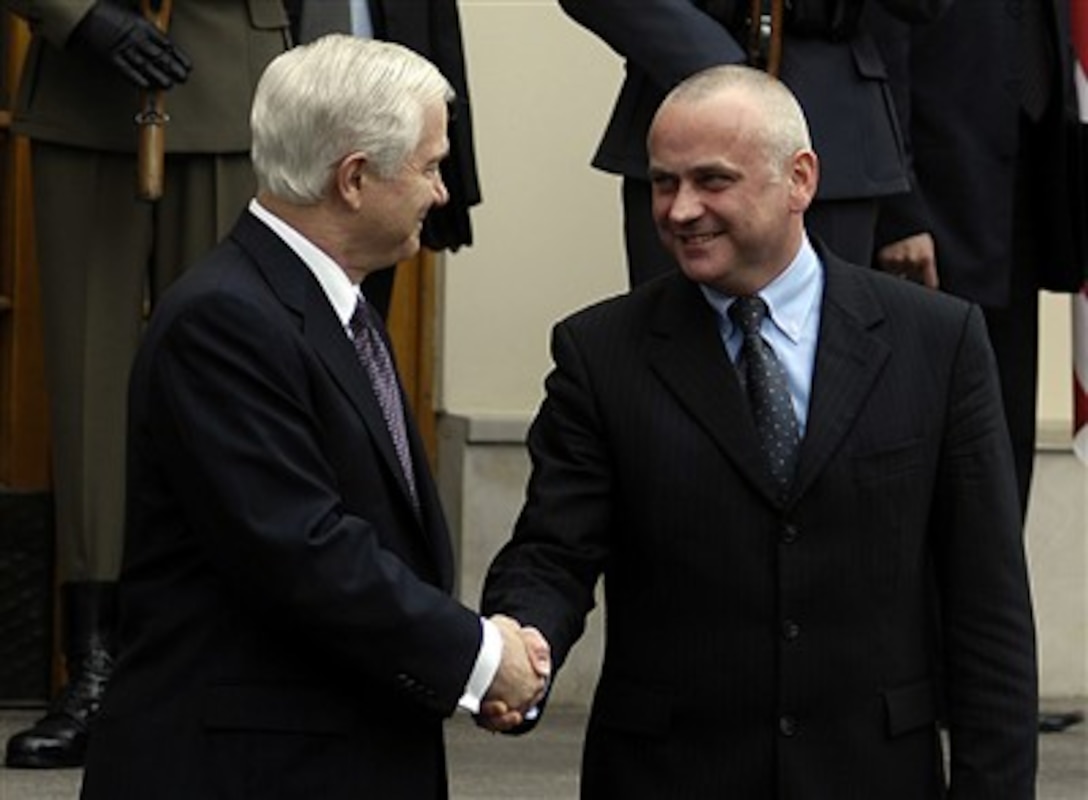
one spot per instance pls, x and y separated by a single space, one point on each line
408 249
703 269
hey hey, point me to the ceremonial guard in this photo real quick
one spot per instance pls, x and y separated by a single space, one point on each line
106 249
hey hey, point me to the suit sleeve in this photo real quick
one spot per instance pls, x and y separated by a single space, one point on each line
241 439
905 214
672 39
986 617
546 575
668 39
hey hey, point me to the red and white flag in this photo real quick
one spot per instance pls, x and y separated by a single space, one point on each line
1079 10
1080 374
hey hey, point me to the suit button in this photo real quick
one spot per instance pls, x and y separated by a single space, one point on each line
789 533
787 725
790 630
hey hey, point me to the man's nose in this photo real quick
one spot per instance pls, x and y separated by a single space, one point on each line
686 204
441 193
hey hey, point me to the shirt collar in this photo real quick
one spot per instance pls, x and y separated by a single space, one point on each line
338 288
791 297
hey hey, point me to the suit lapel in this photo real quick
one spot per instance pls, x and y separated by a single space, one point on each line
849 357
323 331
687 354
302 295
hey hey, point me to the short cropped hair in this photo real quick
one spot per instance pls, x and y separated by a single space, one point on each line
785 129
319 102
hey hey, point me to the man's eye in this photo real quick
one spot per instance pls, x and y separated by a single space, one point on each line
715 182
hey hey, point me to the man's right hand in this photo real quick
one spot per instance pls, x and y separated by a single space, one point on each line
141 52
913 258
522 677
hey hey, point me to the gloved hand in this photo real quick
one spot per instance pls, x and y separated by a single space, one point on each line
133 45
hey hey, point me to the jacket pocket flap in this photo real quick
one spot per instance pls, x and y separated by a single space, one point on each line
266 14
867 58
910 707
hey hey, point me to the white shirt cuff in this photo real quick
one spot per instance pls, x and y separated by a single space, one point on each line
483 672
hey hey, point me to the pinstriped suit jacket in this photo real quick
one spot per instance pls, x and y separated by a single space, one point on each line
757 648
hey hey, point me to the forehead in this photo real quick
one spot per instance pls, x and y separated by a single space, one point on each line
433 141
715 128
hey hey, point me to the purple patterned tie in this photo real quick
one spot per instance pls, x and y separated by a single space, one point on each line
768 393
374 355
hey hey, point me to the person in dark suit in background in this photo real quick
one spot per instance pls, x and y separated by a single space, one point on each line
104 255
999 202
433 29
287 628
828 60
771 626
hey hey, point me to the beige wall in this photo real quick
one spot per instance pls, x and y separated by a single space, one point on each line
1055 362
548 236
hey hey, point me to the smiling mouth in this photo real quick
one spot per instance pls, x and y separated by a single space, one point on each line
698 238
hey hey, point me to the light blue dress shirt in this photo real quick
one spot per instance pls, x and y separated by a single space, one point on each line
791 327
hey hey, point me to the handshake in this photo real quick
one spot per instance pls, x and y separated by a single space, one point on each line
521 679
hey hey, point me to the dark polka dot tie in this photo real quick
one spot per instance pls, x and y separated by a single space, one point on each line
768 393
375 358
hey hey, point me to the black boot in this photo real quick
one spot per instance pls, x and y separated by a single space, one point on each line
59 739
1058 721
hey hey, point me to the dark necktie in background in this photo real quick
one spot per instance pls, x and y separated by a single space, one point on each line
768 393
374 355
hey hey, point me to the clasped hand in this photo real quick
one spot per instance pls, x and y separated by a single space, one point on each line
522 677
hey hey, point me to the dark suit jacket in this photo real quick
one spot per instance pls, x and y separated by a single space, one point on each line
956 88
72 98
758 649
287 629
841 86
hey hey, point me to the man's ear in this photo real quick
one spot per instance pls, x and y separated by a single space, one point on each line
351 178
804 178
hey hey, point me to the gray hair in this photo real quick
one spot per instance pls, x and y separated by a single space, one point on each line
319 102
784 128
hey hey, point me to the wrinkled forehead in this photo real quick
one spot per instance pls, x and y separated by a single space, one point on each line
434 134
